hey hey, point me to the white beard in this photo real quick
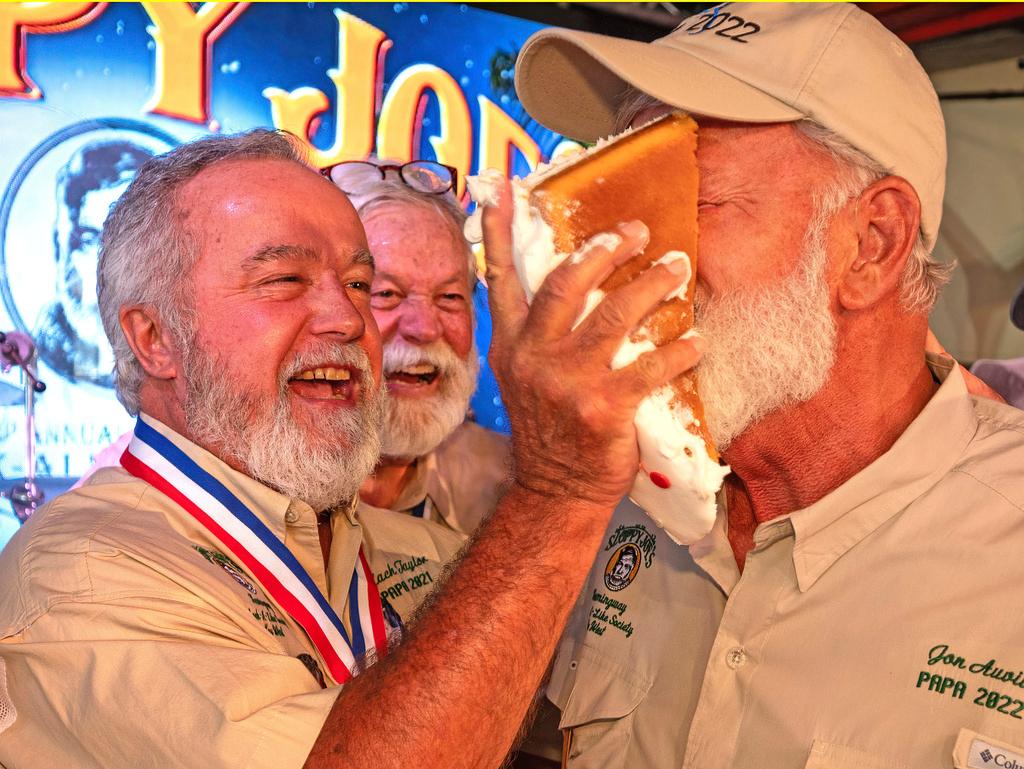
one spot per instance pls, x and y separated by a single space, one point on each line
416 426
324 466
767 349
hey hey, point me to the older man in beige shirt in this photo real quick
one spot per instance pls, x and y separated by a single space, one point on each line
854 605
436 464
213 602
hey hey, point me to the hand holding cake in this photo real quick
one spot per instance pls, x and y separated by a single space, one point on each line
581 450
563 212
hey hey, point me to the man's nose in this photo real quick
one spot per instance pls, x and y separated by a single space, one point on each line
334 312
419 321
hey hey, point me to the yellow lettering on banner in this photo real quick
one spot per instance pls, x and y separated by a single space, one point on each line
17 20
401 119
499 135
361 49
184 46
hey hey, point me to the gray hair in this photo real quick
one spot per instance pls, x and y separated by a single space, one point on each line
923 277
392 190
146 252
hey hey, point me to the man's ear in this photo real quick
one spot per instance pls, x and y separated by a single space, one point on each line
887 218
149 340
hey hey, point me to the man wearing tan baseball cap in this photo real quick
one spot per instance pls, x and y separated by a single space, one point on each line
852 606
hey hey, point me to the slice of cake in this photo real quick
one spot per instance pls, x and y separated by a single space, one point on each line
648 174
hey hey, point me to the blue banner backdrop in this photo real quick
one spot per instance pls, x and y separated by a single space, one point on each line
88 91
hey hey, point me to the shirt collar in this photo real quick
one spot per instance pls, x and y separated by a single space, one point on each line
268 505
714 554
920 457
428 481
416 486
829 528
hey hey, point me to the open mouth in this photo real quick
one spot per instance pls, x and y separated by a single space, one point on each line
324 383
419 374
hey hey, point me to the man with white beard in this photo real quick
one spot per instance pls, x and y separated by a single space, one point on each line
850 608
213 601
436 464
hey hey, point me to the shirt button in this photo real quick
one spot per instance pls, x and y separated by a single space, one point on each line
736 657
291 516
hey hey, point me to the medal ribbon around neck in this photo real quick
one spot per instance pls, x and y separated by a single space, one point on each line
156 460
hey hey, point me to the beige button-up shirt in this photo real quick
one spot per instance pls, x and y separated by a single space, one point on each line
453 488
879 628
130 638
458 483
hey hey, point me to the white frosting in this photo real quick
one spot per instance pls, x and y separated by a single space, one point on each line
533 249
606 240
684 279
593 300
687 508
484 188
631 349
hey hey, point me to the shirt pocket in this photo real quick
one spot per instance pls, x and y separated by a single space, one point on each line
827 755
598 715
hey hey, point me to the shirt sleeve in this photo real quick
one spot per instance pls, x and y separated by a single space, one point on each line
149 681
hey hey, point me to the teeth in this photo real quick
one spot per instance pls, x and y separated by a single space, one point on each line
419 368
337 374
326 374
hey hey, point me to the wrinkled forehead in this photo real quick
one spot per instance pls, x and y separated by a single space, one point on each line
237 208
261 183
722 141
407 235
272 191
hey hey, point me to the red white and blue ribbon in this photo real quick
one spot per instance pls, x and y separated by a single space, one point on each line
155 459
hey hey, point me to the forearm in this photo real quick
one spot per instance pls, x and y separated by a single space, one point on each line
454 694
456 691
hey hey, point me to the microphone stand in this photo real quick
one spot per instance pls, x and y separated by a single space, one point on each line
17 349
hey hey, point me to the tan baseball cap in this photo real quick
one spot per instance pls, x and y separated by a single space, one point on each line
758 63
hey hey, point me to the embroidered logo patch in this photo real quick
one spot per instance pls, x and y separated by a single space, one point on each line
313 668
983 755
236 574
229 566
637 535
261 610
630 547
622 567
